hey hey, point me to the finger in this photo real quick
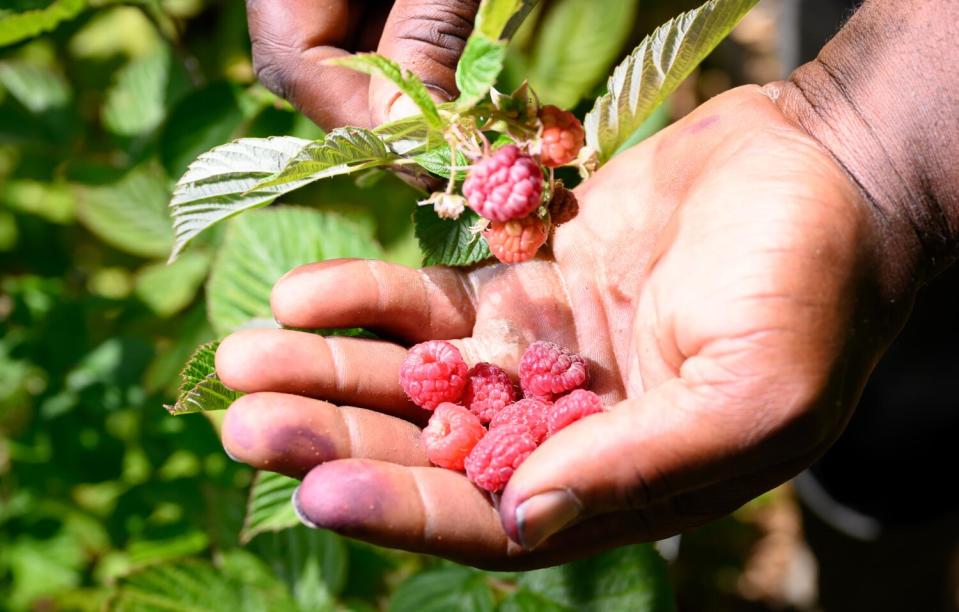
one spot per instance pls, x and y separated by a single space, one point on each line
291 41
426 37
416 305
351 371
291 434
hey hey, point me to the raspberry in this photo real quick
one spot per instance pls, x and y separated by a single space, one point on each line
547 369
492 462
530 413
570 408
452 433
563 206
517 240
506 185
432 373
563 136
488 390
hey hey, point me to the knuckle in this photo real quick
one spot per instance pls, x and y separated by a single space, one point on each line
271 67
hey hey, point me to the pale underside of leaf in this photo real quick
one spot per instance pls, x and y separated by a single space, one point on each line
655 68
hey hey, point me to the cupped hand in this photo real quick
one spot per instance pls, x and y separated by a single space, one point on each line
293 38
725 280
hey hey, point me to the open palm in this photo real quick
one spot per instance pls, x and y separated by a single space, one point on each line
721 280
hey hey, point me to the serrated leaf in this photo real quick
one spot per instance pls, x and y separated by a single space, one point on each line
136 102
448 242
408 83
409 136
499 19
269 507
169 288
655 68
480 64
314 563
343 151
262 246
221 183
200 389
576 45
448 588
439 161
17 26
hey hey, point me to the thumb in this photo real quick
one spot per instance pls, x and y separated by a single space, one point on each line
425 37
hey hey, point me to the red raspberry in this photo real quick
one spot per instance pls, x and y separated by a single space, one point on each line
506 185
492 462
432 373
547 369
570 408
517 240
563 136
530 413
452 433
488 390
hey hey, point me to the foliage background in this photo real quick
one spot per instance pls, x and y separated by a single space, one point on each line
106 500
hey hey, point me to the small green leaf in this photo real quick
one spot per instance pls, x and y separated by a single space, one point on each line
438 161
480 64
269 507
499 19
655 68
136 102
409 83
200 389
449 242
17 26
447 588
169 288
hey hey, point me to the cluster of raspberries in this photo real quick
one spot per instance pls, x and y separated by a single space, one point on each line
506 187
479 422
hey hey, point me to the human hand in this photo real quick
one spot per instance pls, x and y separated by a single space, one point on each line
725 280
292 38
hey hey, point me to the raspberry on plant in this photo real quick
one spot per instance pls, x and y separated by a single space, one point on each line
516 240
563 206
488 390
563 136
505 185
571 408
547 369
451 434
530 413
432 373
494 459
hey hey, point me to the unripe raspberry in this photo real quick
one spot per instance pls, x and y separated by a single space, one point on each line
452 433
432 373
530 413
506 185
492 462
517 240
488 390
547 369
563 136
571 408
563 206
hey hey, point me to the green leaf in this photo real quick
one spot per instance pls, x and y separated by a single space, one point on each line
269 507
136 102
438 161
169 288
448 588
480 64
630 578
17 26
313 562
409 83
200 389
576 45
499 19
527 601
220 183
131 213
448 242
343 151
38 88
409 136
655 68
264 245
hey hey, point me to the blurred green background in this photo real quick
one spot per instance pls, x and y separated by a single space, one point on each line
106 501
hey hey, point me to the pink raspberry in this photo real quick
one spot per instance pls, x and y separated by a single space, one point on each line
452 433
506 185
570 408
563 136
488 390
432 373
516 240
492 462
547 369
530 413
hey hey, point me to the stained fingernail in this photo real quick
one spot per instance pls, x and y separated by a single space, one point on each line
544 514
295 500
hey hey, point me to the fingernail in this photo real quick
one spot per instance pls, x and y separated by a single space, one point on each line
231 455
295 500
544 514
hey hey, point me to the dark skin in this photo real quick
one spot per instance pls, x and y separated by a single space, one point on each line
733 281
